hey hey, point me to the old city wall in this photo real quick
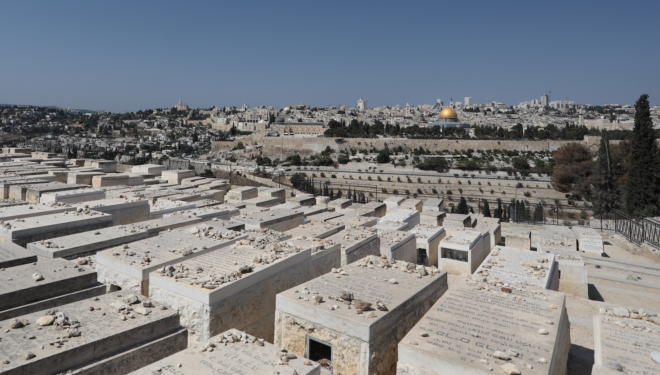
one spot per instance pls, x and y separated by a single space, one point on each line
305 146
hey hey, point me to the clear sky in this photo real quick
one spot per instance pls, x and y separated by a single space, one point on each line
129 54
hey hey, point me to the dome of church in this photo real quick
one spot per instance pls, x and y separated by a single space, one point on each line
448 113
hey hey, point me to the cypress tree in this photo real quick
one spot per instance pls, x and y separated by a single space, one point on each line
605 196
486 209
462 206
641 192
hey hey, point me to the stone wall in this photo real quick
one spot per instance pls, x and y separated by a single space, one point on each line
306 146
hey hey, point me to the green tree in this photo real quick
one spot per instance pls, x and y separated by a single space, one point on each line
462 207
383 155
605 197
642 193
486 209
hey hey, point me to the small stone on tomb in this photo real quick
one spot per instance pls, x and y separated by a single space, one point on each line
510 369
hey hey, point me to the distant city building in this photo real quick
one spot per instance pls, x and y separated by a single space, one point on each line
467 101
181 106
362 105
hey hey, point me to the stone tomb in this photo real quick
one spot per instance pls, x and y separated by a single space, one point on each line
73 196
236 286
303 199
232 352
5 186
25 211
428 239
82 177
356 243
13 255
462 251
340 203
241 193
407 216
163 206
47 283
475 329
318 230
31 229
512 267
175 176
279 220
517 236
33 193
355 221
86 243
352 319
398 245
128 266
432 217
221 211
589 240
554 239
626 342
123 210
110 334
455 221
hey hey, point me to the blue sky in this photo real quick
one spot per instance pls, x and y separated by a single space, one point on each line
125 55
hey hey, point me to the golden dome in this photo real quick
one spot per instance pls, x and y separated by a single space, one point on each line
448 113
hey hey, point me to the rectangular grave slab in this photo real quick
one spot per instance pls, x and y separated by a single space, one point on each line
242 193
103 341
262 202
236 286
356 243
432 204
626 345
355 221
402 215
398 245
517 236
279 220
360 312
175 176
303 199
13 255
73 196
235 353
456 221
340 203
270 192
462 250
81 177
427 238
222 211
31 210
128 266
123 210
475 330
552 238
87 243
31 229
379 209
318 230
33 192
520 268
112 179
432 217
415 204
28 287
16 189
148 169
393 202
163 206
